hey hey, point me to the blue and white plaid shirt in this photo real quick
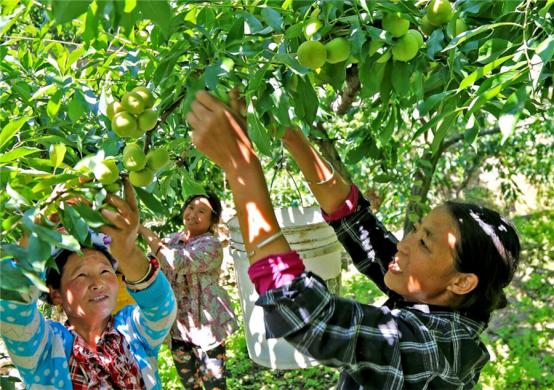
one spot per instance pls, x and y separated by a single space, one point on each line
400 345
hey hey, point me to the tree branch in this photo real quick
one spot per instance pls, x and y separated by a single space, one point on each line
457 138
163 119
351 90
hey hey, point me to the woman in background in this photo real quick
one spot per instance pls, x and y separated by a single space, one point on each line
191 260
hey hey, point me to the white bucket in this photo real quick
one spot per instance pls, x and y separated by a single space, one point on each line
317 245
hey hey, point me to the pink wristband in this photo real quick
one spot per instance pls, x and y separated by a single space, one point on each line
275 271
347 208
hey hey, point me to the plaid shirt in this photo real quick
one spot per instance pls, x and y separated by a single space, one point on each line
398 346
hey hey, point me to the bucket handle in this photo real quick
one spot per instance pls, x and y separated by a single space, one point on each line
279 166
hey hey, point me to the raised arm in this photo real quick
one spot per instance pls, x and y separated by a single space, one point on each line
133 263
333 191
220 134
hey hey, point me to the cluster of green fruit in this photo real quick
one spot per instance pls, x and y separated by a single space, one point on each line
133 116
407 41
141 167
315 54
439 12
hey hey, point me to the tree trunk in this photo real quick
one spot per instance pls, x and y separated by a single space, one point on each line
327 146
415 207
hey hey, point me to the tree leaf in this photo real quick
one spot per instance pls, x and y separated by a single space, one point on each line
92 217
13 282
159 12
38 252
273 19
190 187
471 33
17 153
75 110
385 136
74 223
424 107
511 112
401 78
491 49
56 238
53 105
383 178
151 201
257 133
434 43
236 34
472 78
307 104
65 11
11 129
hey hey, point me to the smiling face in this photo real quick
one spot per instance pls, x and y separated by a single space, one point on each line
424 270
197 216
88 288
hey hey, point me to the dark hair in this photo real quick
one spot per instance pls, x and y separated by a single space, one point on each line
214 202
488 247
54 278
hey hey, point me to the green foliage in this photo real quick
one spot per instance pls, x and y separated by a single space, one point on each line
520 336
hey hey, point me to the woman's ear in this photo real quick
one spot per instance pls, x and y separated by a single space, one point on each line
463 284
55 296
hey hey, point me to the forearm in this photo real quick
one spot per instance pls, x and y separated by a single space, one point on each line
254 210
331 194
133 265
152 239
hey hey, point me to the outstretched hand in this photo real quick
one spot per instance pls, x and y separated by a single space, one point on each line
219 132
126 222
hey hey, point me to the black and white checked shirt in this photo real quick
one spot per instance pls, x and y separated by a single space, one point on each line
400 345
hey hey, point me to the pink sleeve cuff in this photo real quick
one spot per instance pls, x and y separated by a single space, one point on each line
347 208
275 271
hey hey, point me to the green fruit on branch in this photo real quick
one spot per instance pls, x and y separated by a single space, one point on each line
112 188
56 153
439 12
385 57
311 26
426 26
374 46
157 159
147 120
405 49
138 133
114 108
338 50
293 84
124 124
142 36
130 147
106 172
395 25
133 103
461 26
417 35
141 178
312 54
146 95
134 160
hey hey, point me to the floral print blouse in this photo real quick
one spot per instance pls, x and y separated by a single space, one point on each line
204 312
